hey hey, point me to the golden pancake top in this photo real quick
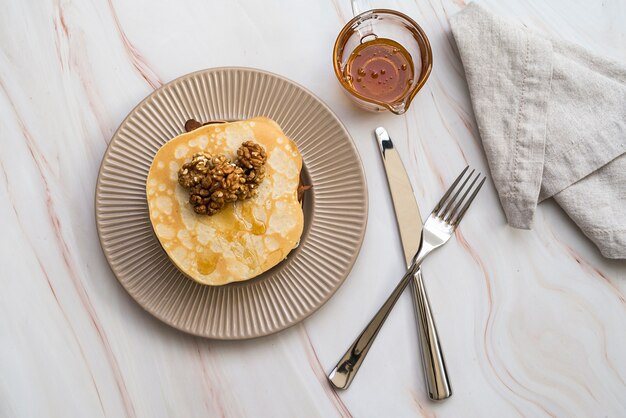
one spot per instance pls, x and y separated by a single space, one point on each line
246 237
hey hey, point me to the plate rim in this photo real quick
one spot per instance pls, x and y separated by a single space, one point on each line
351 262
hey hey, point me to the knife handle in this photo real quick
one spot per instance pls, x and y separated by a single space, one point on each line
435 373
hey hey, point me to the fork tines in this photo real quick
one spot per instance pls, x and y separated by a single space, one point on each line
451 207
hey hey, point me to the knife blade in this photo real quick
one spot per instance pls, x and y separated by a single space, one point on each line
409 223
405 206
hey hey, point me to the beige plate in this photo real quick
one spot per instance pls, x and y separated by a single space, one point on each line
335 210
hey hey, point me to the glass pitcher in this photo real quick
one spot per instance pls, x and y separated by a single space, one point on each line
389 25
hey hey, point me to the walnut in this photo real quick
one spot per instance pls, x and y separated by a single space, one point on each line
255 175
251 155
213 181
192 173
230 179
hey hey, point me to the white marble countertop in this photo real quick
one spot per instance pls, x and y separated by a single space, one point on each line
532 322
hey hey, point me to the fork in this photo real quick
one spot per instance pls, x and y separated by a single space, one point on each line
438 229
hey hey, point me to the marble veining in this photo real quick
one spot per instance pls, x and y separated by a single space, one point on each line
532 322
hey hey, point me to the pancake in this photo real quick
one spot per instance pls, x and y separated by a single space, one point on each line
246 237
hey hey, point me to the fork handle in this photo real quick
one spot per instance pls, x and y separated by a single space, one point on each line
435 373
347 367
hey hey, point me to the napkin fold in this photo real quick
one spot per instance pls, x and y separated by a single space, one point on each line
552 119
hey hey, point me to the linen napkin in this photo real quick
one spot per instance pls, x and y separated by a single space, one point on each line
552 119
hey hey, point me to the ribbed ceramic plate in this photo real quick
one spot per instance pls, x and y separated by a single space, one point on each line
335 208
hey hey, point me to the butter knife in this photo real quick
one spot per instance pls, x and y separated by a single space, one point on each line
410 228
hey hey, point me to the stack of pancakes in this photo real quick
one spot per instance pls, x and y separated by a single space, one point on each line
246 237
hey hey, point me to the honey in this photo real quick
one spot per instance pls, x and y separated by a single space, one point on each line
256 227
380 70
231 229
232 225
207 262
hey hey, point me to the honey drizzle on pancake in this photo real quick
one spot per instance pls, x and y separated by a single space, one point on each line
207 262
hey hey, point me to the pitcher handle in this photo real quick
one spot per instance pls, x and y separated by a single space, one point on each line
358 7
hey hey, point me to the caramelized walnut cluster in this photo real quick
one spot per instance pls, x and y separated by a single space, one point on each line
213 181
251 158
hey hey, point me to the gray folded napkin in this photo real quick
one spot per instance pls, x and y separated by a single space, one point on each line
552 118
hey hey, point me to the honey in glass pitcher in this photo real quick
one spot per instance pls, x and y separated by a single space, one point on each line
382 58
380 70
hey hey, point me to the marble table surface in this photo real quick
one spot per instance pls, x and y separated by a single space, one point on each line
533 323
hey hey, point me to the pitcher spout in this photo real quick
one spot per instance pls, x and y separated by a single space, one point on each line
398 108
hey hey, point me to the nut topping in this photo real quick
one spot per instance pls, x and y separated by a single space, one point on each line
213 181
